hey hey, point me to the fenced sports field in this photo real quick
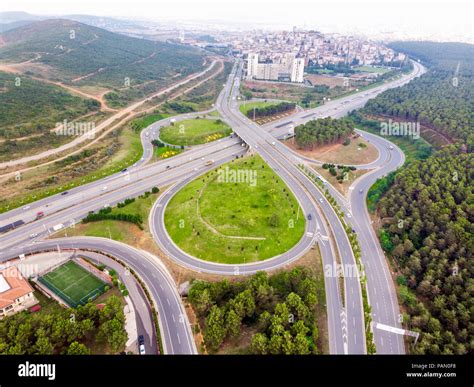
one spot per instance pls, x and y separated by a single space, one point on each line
73 284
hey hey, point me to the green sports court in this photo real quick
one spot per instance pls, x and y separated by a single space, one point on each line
73 284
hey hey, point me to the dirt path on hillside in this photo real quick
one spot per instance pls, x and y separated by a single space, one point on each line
127 113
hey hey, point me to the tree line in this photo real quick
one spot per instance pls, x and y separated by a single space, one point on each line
106 214
270 110
64 331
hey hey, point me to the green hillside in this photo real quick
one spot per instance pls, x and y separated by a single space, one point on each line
75 50
32 106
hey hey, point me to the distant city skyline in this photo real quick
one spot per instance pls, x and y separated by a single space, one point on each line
418 19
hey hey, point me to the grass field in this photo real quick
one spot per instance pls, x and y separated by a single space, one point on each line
73 284
194 131
370 69
220 219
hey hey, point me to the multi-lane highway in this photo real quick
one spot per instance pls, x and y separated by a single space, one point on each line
350 337
346 326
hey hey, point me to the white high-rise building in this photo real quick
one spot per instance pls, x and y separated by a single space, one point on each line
252 66
297 70
287 68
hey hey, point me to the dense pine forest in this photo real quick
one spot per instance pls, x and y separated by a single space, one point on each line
429 232
323 131
261 305
442 99
428 207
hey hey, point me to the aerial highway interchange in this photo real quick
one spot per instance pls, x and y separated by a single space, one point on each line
345 313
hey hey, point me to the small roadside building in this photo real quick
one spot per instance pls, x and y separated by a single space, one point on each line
16 294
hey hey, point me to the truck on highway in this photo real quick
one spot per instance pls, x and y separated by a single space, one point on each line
58 227
11 226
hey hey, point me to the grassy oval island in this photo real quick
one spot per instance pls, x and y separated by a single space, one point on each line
194 131
239 213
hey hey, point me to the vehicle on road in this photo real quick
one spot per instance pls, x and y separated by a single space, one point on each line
64 193
141 345
26 207
310 217
39 215
124 170
34 235
321 200
209 162
11 226
104 188
361 190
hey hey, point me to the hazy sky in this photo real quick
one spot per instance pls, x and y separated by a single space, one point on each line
412 17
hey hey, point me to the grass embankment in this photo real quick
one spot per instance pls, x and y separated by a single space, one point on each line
117 151
142 122
194 131
117 230
249 106
252 219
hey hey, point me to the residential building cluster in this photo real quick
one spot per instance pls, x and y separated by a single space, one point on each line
281 55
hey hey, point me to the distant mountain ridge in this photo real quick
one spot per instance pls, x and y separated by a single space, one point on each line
15 16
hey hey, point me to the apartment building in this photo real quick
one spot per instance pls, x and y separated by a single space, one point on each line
286 67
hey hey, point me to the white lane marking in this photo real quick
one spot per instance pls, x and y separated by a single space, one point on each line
391 329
